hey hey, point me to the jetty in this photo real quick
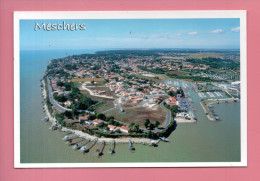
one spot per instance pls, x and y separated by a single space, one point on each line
66 138
74 141
80 144
131 146
210 94
65 133
88 146
99 150
112 145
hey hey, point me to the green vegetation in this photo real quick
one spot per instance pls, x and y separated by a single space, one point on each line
156 70
173 109
150 125
134 128
172 93
168 130
216 63
180 91
194 78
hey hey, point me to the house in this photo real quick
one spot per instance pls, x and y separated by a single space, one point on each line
182 115
156 99
125 94
83 118
124 129
138 100
171 101
116 128
111 127
97 122
67 103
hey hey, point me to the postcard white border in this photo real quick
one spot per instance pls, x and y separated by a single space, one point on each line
19 15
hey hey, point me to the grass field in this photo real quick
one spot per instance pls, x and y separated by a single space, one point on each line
105 105
159 80
139 114
205 55
176 72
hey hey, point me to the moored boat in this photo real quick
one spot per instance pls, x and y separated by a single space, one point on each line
46 119
88 146
164 139
54 127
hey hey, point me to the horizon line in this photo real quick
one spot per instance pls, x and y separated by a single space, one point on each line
131 49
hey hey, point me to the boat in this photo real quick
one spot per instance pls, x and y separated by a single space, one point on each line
66 138
217 118
74 141
54 127
88 146
111 149
99 150
46 119
131 146
164 139
215 114
80 144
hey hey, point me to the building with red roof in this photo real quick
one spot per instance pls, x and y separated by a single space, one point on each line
124 129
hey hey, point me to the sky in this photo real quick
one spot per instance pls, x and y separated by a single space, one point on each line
133 34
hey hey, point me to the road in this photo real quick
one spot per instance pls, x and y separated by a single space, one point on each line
117 106
53 102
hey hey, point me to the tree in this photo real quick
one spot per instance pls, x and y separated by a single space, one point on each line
101 116
118 131
59 83
74 110
152 126
150 134
157 123
171 93
110 118
92 117
68 114
147 123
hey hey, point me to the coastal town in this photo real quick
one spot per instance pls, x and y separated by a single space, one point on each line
135 96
